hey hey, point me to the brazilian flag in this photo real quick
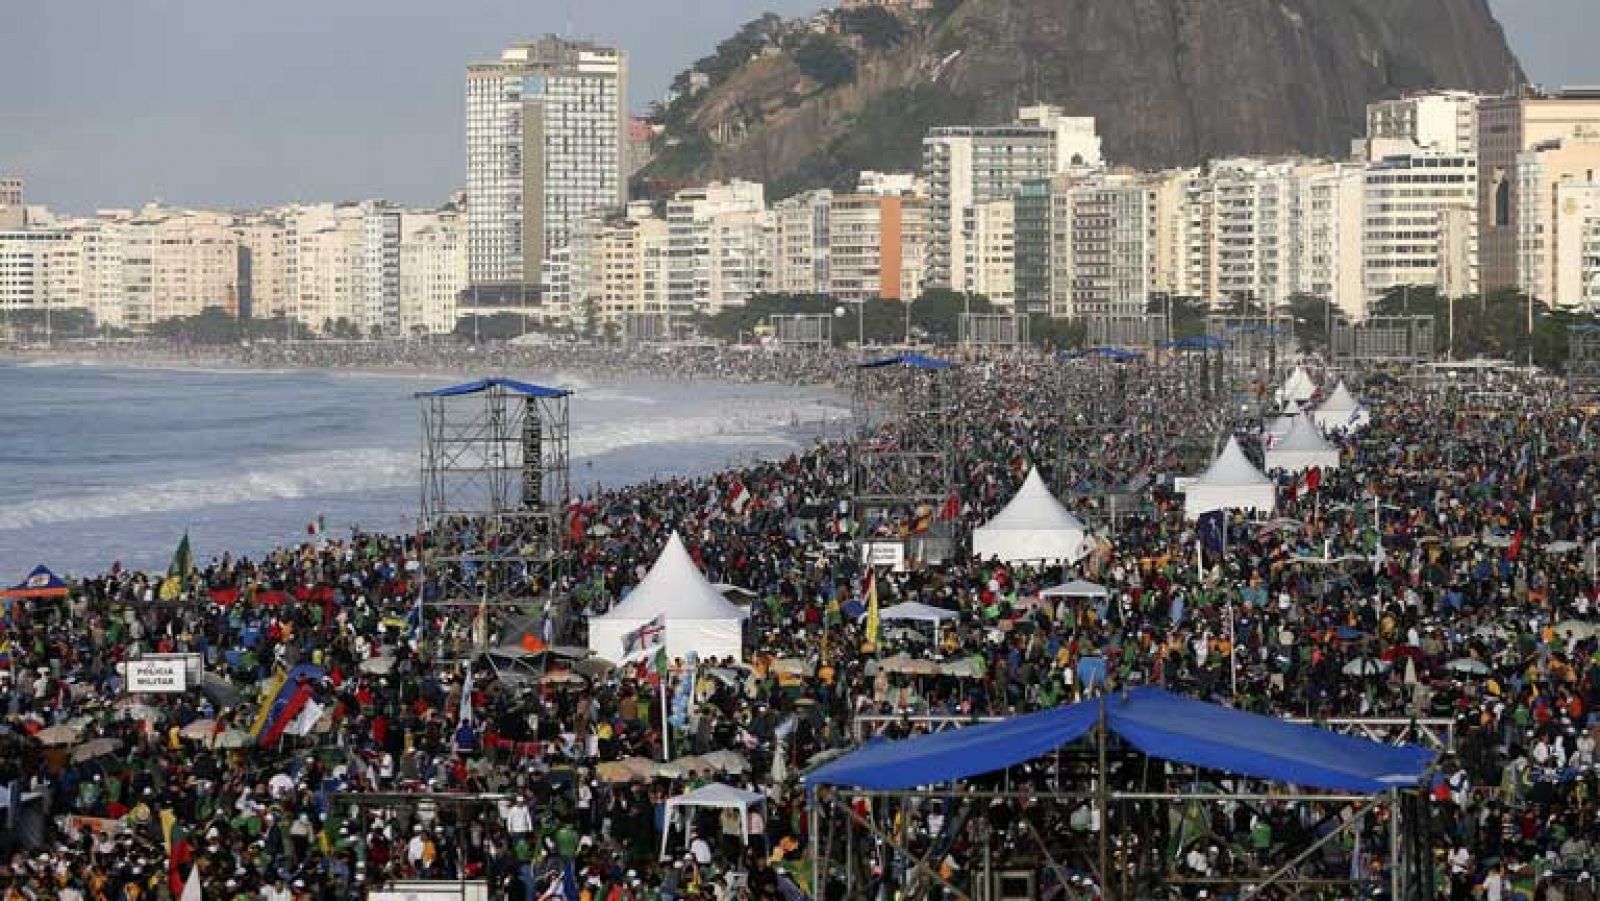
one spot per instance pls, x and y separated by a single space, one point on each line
178 570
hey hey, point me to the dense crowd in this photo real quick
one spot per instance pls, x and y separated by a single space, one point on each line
1444 571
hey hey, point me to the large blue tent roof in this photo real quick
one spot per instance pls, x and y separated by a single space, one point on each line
910 361
1157 723
526 388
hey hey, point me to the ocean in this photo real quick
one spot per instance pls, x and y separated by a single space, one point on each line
103 464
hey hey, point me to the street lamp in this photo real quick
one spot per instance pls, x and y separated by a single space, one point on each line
861 341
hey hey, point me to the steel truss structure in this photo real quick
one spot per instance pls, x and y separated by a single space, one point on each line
1148 330
496 487
803 332
1583 359
904 456
1022 819
1383 339
994 331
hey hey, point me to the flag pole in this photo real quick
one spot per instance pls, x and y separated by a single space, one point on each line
666 727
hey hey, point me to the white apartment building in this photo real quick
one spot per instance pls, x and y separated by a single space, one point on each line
10 190
194 263
799 243
1251 206
263 274
547 128
1326 255
889 183
1576 251
1406 224
1436 122
1555 179
966 167
380 269
325 265
1108 238
432 271
1077 139
875 246
716 246
31 261
619 265
992 252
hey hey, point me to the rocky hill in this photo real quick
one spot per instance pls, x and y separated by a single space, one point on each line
1172 82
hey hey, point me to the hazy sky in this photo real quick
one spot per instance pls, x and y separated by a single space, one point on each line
235 103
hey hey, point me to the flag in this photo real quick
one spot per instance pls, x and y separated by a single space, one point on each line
191 888
464 715
306 720
1516 546
182 560
279 722
317 526
1313 478
952 506
873 623
659 662
738 497
268 698
1212 528
651 634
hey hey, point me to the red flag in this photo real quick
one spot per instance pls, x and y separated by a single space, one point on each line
738 497
1313 478
225 596
1516 546
951 508
576 526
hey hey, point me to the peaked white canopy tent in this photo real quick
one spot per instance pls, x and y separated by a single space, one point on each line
1232 482
1033 528
1298 388
912 611
697 617
1341 411
716 796
1302 448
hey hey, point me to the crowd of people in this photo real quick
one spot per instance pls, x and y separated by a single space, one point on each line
345 737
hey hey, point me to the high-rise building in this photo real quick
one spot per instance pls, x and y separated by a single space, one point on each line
380 264
1434 121
432 270
10 190
263 279
717 241
325 253
1408 229
547 137
966 167
1576 251
1508 127
991 251
799 243
1077 140
1555 180
871 239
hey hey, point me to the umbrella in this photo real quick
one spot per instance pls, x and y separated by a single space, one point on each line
219 691
1468 665
628 769
199 729
594 667
563 677
377 666
63 734
683 766
964 668
728 762
99 747
910 665
231 738
1366 666
1571 629
135 710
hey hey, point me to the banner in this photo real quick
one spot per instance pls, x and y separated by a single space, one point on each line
167 676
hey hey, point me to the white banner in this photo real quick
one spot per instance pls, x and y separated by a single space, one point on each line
167 676
885 553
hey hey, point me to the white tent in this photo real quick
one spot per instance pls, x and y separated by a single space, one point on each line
1299 387
697 617
1231 483
718 796
915 612
1276 428
1034 527
1077 588
1340 411
1302 449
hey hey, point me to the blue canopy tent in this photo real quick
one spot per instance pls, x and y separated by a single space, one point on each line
41 583
1157 723
1199 342
1117 354
525 388
909 361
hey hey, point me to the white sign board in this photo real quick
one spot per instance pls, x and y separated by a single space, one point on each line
885 553
167 676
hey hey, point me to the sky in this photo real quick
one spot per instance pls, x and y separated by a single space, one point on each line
229 103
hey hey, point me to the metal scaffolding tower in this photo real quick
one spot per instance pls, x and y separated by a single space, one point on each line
1583 359
904 456
495 491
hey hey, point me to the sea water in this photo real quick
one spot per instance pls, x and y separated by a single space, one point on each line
104 464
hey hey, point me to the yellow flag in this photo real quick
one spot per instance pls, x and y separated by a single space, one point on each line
270 694
167 819
873 625
171 586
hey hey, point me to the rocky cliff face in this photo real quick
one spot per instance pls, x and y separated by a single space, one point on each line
1172 82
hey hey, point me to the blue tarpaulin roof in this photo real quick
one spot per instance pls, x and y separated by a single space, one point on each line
527 388
1109 353
1157 723
911 361
1199 342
